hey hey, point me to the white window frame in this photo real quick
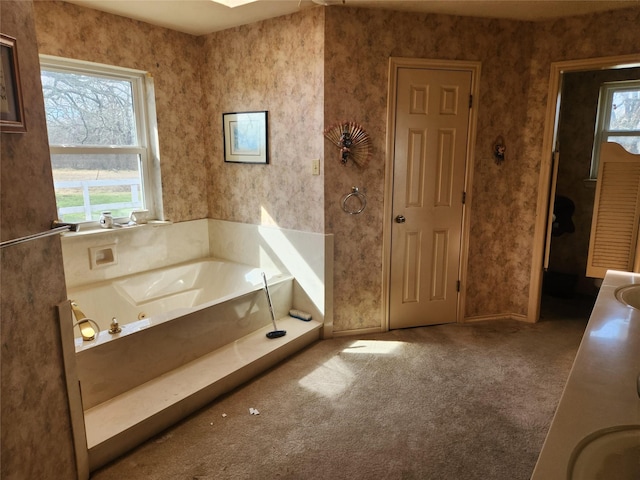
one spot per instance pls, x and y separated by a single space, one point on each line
146 125
603 120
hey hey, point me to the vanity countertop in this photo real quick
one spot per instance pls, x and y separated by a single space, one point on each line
601 391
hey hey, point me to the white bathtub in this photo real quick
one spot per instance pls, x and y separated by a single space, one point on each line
169 317
142 300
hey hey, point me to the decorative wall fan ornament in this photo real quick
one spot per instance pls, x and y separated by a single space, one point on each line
354 143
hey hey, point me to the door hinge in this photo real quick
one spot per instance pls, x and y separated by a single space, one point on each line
470 101
458 286
464 197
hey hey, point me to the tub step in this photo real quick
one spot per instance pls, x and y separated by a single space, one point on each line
123 422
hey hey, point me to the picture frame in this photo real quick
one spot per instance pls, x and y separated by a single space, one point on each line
246 138
11 105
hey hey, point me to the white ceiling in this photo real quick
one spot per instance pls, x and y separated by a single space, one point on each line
199 17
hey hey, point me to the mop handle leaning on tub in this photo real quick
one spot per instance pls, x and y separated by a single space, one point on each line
275 333
266 291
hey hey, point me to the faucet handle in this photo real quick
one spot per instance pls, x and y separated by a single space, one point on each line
115 326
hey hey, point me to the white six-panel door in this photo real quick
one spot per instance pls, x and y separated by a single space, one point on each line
431 130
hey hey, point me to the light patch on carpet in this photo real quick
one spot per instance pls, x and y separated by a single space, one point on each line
330 379
378 347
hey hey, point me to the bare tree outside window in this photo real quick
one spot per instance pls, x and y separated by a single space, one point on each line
625 118
88 110
618 119
97 149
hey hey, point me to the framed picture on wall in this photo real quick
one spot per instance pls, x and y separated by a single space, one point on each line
11 107
246 137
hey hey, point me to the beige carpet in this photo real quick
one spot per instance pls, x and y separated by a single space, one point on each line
459 401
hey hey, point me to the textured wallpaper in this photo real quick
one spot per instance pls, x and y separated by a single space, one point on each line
35 419
174 61
276 65
359 44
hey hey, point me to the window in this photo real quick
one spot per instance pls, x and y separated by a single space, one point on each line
618 119
100 121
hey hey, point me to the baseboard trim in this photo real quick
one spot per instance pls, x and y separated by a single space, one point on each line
477 318
357 331
504 316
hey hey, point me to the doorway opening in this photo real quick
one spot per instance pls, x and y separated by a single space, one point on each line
566 191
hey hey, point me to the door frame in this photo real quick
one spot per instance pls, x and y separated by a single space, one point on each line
546 167
395 63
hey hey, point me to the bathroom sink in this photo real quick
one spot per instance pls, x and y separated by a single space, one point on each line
612 453
629 295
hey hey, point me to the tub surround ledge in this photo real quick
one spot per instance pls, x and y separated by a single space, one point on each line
601 391
123 422
118 228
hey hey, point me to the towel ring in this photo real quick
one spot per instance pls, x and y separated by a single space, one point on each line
355 193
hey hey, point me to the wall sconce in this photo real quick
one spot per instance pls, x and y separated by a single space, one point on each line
499 150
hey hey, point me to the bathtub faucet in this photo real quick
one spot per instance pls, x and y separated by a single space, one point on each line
84 323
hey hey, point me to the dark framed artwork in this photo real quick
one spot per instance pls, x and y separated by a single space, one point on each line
11 106
246 137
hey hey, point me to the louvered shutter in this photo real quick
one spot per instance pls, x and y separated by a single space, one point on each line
616 212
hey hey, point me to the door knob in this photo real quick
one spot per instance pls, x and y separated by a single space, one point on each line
400 219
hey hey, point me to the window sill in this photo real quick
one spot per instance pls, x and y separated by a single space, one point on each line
97 230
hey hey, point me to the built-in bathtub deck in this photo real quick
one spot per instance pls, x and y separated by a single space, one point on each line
119 424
